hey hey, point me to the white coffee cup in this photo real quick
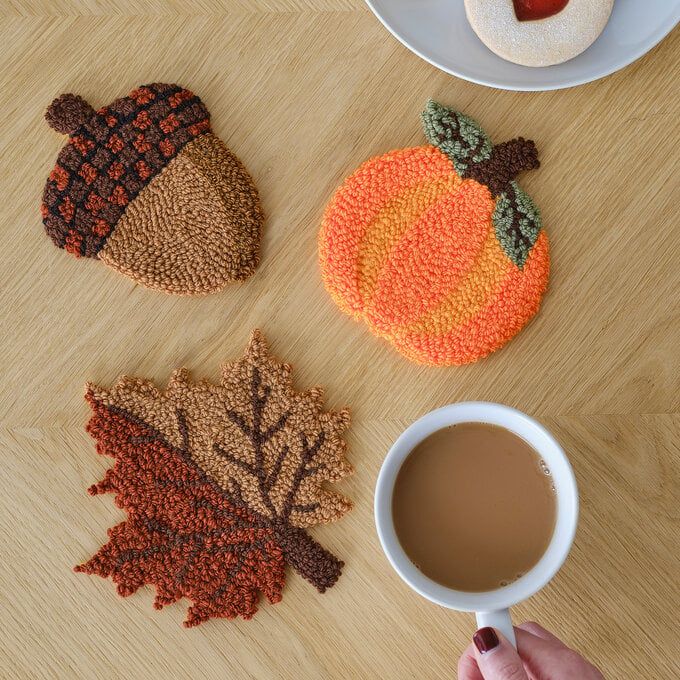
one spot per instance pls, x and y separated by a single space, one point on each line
491 607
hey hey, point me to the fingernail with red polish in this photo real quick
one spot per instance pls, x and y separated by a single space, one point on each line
485 640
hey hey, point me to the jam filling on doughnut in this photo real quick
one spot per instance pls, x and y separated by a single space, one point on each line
531 10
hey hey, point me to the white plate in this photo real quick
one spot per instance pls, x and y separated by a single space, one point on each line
439 32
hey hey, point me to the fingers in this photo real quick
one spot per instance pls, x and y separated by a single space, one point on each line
496 657
467 666
534 649
538 630
541 655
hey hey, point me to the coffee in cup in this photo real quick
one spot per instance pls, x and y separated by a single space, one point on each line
474 506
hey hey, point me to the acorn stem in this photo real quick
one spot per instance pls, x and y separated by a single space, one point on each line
67 113
507 160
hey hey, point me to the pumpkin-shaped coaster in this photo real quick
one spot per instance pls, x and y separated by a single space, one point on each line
220 484
146 187
436 247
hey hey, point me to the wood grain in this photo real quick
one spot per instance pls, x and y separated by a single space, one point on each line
303 96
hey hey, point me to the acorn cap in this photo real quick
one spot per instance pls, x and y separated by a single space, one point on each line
115 154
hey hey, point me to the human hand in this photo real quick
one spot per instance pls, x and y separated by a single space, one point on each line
539 656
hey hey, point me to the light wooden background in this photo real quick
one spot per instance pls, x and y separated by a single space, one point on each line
303 91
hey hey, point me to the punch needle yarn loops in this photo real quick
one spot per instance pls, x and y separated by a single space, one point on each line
220 484
145 186
436 247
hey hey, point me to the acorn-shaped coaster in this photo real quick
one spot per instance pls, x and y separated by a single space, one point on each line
145 186
436 247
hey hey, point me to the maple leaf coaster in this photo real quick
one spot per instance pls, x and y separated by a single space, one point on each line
219 483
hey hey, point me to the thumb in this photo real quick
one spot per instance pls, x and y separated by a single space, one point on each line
496 657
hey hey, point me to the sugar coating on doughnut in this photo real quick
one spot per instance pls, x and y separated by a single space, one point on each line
543 42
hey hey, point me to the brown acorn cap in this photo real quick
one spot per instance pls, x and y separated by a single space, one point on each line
118 152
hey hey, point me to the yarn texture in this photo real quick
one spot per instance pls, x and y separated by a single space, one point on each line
144 186
220 484
436 247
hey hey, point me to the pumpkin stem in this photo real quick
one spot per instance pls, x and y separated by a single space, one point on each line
506 161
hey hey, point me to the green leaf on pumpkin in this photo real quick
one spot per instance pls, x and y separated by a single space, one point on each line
457 135
517 223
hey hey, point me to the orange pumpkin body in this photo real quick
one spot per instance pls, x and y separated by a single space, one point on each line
411 248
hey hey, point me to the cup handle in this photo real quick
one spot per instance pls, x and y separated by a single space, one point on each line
500 620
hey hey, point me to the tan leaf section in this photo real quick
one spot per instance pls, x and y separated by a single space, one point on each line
252 434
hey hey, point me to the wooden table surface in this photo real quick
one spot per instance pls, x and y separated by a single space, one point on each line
303 91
